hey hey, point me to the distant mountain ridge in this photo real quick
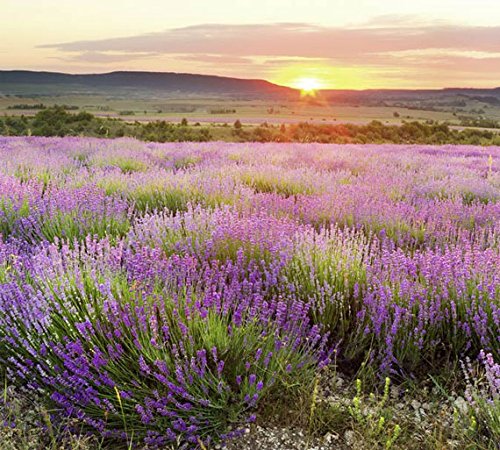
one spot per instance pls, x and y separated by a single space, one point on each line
152 81
139 83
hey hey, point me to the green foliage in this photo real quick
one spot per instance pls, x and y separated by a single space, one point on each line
75 226
483 394
222 111
14 126
314 266
269 184
374 132
26 106
479 122
216 397
56 121
232 249
186 162
161 131
126 165
152 197
484 419
374 417
10 214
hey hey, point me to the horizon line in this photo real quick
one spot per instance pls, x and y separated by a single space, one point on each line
442 88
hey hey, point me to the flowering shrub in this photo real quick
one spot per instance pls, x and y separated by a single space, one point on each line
186 356
483 395
158 293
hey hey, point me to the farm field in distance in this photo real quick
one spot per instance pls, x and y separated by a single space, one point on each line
220 110
250 111
193 295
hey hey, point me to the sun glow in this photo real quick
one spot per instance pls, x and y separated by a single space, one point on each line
308 86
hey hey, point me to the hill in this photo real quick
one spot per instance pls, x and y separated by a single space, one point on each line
19 82
150 84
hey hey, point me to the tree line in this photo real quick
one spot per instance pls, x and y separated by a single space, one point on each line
374 132
56 121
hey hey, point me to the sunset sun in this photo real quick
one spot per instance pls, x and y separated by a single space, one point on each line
308 86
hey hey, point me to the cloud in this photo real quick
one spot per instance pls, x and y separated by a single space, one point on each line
103 57
298 39
217 59
389 43
402 20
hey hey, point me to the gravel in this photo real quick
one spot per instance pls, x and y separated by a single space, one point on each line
260 438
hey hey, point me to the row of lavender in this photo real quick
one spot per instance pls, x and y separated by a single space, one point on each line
161 291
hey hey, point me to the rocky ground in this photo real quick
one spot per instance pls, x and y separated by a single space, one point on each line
337 415
273 438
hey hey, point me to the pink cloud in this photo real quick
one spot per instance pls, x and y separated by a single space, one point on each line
302 40
389 45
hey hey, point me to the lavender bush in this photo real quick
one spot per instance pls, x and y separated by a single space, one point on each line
158 292
483 395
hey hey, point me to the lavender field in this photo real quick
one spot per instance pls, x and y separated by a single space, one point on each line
161 294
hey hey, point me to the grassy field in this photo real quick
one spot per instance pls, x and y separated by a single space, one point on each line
209 109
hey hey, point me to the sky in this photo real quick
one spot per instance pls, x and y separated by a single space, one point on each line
342 44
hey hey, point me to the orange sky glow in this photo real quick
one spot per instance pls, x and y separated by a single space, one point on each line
337 43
